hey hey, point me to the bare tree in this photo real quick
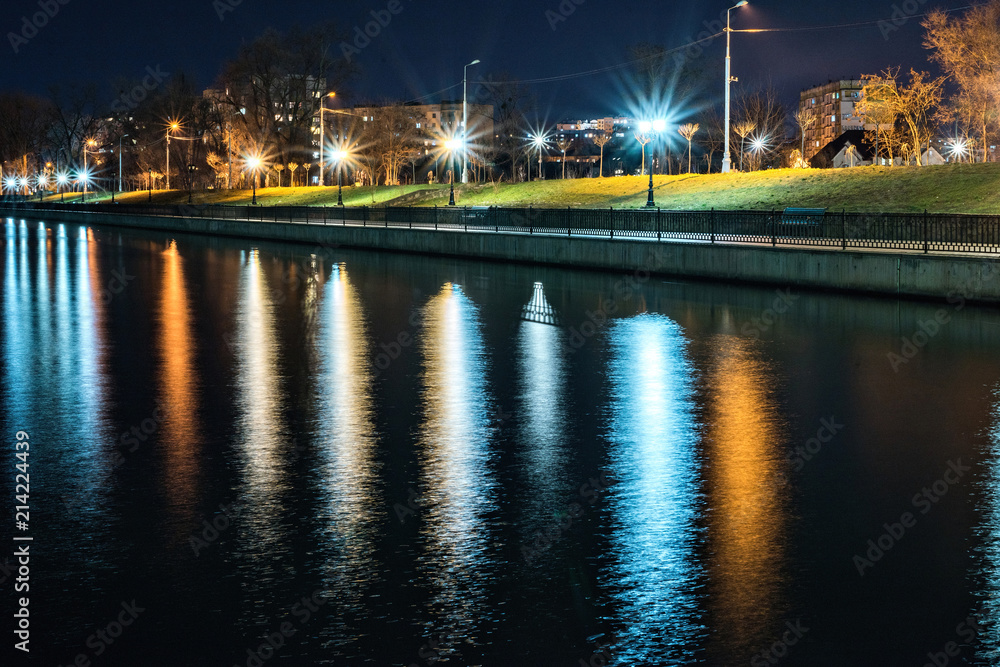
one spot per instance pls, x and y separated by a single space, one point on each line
803 118
967 47
563 144
743 130
643 139
601 140
688 130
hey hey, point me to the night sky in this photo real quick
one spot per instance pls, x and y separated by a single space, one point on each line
425 46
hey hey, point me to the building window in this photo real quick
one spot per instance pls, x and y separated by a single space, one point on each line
833 119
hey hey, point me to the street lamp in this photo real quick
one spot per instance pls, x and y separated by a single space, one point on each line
61 180
42 181
254 164
539 141
90 142
322 138
174 125
649 127
339 156
726 160
120 161
465 120
452 145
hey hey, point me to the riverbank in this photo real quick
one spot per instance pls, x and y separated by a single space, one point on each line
943 277
952 188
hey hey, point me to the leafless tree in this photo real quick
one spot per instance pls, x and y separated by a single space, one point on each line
688 130
601 140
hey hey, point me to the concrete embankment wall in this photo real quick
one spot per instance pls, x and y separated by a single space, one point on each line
936 276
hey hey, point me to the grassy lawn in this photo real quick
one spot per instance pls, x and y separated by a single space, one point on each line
954 188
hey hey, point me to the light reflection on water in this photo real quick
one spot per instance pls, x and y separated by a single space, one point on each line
693 556
181 438
261 434
346 443
654 502
541 415
989 550
746 487
457 487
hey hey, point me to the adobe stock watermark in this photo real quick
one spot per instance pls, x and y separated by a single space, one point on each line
624 289
211 531
563 11
363 36
968 632
131 99
782 303
589 492
303 610
116 284
37 21
923 501
901 15
100 641
223 7
771 655
911 345
824 434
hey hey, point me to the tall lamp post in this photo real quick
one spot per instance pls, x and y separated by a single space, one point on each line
339 156
90 142
322 138
254 164
540 141
452 145
726 160
655 126
465 120
173 126
120 161
61 181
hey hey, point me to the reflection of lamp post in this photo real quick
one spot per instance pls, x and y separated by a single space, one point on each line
647 127
339 156
322 137
726 161
465 119
451 145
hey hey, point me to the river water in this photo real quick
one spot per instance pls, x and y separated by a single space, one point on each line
252 453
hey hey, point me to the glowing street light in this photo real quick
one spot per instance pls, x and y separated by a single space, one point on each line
90 142
757 145
41 180
540 142
173 126
452 145
726 161
61 180
958 148
657 126
340 156
322 138
254 163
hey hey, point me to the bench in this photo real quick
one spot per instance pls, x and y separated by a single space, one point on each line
803 216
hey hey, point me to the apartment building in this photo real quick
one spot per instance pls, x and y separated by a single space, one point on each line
833 112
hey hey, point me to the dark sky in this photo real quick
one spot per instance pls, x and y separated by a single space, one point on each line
424 46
